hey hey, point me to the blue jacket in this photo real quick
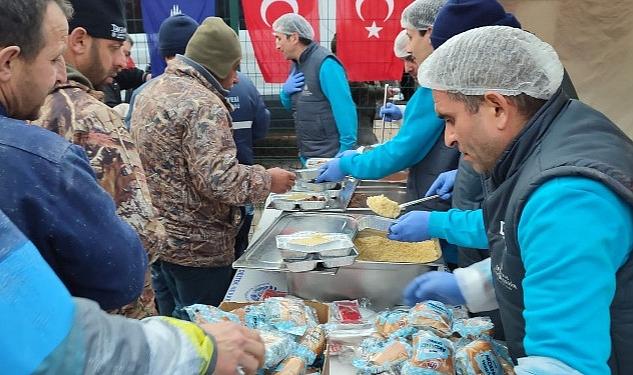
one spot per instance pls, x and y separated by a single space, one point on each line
250 117
420 130
46 331
564 220
50 193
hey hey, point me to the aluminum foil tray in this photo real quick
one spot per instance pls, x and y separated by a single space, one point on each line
310 185
263 254
293 201
313 260
331 242
307 174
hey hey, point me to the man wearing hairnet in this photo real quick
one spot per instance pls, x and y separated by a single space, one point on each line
558 205
316 90
419 144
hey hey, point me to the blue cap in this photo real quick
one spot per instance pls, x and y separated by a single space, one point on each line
174 34
457 16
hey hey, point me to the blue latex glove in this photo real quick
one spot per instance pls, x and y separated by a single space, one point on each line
443 185
331 171
411 227
391 112
346 153
434 285
294 83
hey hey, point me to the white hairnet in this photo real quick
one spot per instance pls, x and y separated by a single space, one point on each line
400 45
293 23
420 14
504 59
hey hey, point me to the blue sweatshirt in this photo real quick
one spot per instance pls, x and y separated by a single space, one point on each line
574 234
49 191
420 129
250 117
336 89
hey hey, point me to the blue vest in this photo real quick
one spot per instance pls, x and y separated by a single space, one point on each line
543 151
317 134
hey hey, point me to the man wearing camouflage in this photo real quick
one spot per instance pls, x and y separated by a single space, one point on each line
75 111
182 126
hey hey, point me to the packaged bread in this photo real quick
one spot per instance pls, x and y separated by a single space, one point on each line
432 355
277 347
474 328
479 357
383 206
201 314
311 345
433 316
289 315
379 356
393 323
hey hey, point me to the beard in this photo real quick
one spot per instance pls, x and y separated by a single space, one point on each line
96 73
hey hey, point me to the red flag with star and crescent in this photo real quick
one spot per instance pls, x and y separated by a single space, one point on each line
259 16
365 32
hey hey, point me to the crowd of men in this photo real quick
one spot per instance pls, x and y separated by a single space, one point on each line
144 215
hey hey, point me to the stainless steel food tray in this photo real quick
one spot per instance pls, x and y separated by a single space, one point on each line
336 200
263 254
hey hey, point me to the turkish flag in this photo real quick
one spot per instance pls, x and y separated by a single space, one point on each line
259 16
365 32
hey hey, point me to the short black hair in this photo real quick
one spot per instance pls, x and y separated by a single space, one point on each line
21 24
527 105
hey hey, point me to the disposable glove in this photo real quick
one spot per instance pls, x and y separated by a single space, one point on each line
330 171
294 83
391 112
434 285
443 185
411 227
346 153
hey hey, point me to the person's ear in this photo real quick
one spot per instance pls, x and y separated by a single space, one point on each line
427 36
8 59
498 106
78 41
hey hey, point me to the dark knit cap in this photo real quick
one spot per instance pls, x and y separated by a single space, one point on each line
174 34
104 19
215 46
457 16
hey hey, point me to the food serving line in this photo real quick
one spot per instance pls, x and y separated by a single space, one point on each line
322 244
340 209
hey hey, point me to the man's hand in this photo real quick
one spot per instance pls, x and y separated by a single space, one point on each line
390 112
330 171
434 285
236 346
411 227
282 180
443 185
294 83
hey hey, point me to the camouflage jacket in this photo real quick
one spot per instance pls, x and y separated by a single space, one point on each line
182 126
74 111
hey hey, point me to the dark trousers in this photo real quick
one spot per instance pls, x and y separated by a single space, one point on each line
187 286
241 240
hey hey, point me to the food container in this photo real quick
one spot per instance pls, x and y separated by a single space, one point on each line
310 185
316 162
302 265
312 205
312 261
294 255
284 205
330 242
332 194
381 283
307 174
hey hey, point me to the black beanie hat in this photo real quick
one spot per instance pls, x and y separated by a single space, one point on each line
104 19
457 16
174 34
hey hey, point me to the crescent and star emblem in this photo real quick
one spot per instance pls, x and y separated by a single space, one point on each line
374 29
293 4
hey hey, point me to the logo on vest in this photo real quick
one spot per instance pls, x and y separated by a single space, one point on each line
306 91
118 32
504 279
502 232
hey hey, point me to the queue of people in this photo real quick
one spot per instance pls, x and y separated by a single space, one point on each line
536 187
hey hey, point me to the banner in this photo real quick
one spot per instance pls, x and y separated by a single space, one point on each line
155 12
259 16
365 32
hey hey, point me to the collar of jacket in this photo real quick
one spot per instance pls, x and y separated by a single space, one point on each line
78 80
205 74
525 142
306 53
